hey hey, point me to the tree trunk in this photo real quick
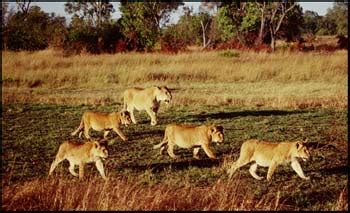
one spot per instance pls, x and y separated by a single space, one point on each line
262 25
261 31
273 43
203 34
272 35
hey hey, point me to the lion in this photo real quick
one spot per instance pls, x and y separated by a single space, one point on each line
191 136
80 154
148 99
103 122
271 155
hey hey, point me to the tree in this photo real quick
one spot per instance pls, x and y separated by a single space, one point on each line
28 31
57 31
95 13
311 22
278 12
141 22
23 6
339 15
292 25
205 21
228 20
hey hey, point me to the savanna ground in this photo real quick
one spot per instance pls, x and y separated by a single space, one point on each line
276 97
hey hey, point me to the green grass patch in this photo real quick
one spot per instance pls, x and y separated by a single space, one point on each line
31 135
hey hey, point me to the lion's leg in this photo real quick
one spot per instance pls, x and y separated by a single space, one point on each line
171 150
208 151
120 133
86 131
105 134
99 166
131 110
71 169
153 116
81 171
54 164
252 171
271 170
195 153
242 160
297 168
162 150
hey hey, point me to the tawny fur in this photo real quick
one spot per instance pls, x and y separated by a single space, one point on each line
186 136
80 154
270 155
106 122
147 99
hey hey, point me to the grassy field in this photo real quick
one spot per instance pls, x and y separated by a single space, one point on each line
141 179
279 80
276 97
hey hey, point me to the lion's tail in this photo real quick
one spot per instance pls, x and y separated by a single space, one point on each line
80 128
164 141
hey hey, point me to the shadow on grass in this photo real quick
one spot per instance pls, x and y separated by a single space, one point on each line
176 165
332 170
228 115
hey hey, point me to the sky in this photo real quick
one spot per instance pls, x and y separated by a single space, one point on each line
58 8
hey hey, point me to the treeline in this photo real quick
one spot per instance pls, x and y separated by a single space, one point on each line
144 26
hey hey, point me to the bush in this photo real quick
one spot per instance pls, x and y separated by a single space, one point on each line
229 54
171 41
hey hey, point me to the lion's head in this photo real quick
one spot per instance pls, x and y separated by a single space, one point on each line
125 117
302 151
99 150
216 133
163 94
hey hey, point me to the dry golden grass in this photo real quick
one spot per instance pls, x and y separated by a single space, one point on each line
122 194
281 79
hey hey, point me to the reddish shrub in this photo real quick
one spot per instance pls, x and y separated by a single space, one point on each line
171 44
120 46
342 42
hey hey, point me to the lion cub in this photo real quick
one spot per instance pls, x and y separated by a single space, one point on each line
80 154
191 136
270 155
103 122
147 99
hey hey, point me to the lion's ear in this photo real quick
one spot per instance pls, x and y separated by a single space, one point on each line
96 144
306 140
220 128
122 113
299 145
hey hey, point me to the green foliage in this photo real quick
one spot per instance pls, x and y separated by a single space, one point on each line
141 21
172 39
33 30
334 22
93 13
251 19
292 24
311 22
339 15
227 26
